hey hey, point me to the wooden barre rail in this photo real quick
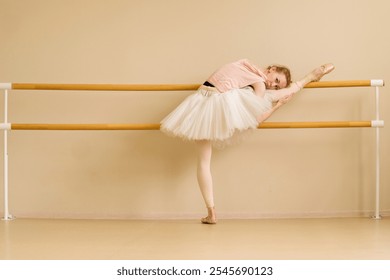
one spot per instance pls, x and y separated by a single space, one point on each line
266 125
167 87
107 87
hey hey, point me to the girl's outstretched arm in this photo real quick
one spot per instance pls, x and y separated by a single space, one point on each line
313 76
282 96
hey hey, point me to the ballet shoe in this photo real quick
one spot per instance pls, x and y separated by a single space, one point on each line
325 69
209 221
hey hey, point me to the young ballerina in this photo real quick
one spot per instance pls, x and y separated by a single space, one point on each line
235 98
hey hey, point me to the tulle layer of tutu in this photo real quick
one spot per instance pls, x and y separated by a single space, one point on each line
217 117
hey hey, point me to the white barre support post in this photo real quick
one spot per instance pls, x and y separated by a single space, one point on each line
377 157
7 215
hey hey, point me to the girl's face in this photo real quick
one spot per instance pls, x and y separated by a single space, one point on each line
275 80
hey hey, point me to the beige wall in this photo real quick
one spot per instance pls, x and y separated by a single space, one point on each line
124 174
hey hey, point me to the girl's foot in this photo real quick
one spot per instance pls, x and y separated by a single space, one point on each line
211 218
208 220
319 72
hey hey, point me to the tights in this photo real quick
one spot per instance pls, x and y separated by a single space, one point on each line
205 179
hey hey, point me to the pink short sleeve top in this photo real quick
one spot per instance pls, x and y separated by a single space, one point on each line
238 74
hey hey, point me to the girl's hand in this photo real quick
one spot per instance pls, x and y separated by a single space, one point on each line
284 100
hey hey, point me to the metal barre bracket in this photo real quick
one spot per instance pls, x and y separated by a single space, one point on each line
5 86
5 126
377 123
377 83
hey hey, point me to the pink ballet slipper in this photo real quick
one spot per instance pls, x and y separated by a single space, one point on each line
322 70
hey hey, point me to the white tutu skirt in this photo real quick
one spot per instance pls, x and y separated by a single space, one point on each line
218 117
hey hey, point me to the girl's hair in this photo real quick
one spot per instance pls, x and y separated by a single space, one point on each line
283 70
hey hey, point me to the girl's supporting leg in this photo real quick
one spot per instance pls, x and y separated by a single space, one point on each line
205 179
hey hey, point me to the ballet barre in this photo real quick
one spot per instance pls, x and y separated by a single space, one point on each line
6 126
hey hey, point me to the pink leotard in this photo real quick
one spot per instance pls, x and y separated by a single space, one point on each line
238 74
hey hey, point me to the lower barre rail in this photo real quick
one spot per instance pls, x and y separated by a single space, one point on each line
153 126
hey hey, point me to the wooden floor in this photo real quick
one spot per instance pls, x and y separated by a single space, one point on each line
272 239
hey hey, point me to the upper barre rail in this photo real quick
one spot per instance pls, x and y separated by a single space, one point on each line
166 87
